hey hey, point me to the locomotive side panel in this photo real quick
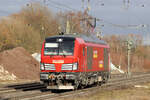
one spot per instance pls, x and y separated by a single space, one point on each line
82 58
97 58
100 61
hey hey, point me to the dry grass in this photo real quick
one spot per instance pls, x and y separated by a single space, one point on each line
124 94
11 82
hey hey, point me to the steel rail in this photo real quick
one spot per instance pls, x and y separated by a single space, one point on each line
34 91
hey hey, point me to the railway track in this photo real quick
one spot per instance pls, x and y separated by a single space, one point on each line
37 91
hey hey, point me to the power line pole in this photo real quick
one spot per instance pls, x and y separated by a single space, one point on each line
129 47
82 5
126 4
67 27
88 6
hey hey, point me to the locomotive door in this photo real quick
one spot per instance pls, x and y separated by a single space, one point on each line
106 57
84 59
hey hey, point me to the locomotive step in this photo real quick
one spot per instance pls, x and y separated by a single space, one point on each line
61 87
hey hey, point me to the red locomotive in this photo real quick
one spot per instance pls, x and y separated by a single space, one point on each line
72 61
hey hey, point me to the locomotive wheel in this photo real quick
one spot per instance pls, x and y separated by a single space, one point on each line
45 83
99 83
76 85
105 78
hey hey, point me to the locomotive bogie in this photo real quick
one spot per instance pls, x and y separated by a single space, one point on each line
73 80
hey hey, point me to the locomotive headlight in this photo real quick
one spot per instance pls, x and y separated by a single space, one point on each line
75 66
41 66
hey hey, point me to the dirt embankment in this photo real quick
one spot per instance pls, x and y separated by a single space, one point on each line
20 63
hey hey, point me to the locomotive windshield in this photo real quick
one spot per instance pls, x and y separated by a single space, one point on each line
59 48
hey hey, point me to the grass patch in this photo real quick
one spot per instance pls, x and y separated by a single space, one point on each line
123 94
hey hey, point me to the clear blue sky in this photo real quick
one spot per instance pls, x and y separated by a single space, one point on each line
115 16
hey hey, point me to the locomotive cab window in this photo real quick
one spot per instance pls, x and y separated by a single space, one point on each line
66 48
51 48
55 47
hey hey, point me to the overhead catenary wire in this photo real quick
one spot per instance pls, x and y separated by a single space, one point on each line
62 5
65 7
136 26
55 6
